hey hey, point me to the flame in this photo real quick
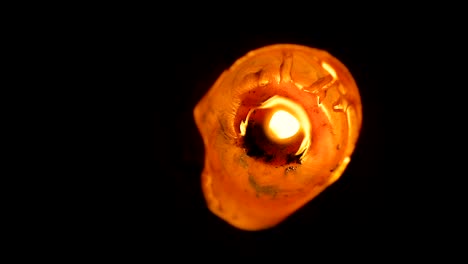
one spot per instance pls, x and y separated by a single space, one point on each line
290 118
283 125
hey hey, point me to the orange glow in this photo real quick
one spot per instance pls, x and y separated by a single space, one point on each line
279 126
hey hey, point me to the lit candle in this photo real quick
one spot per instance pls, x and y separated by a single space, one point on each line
278 127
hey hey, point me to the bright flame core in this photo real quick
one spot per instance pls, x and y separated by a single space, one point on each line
300 117
283 125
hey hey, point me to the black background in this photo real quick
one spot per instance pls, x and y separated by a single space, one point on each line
115 156
147 198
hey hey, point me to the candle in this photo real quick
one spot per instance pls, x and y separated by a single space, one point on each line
278 126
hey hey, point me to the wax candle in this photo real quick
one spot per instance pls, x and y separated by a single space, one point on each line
279 126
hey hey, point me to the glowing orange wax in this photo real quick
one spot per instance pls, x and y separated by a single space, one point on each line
278 127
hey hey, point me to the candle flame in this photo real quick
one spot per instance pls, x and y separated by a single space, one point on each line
283 124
